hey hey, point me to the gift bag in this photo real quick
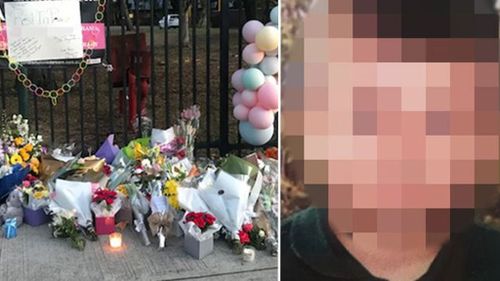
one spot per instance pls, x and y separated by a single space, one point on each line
104 225
35 217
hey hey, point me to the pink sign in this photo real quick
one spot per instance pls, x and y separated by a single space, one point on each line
91 32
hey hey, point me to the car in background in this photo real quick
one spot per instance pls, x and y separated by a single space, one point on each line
172 21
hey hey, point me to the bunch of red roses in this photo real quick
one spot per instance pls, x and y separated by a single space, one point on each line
109 196
202 220
244 233
252 235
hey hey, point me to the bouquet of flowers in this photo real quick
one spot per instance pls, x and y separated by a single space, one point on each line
202 220
19 146
149 165
105 204
65 225
35 194
105 200
252 235
189 124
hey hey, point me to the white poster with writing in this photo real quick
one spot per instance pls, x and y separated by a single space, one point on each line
44 30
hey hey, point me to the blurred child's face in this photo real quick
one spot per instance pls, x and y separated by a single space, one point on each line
410 124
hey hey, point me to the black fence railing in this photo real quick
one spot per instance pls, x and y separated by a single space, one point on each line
156 72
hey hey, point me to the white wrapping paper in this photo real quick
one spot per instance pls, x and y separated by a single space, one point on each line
227 199
100 209
159 137
195 231
73 196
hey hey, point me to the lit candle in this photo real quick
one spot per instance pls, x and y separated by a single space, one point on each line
248 254
115 240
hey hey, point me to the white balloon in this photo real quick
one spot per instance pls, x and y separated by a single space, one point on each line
274 15
270 65
255 136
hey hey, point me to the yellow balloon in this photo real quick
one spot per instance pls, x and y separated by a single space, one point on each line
267 38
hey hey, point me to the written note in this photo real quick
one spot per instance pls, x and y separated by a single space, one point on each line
44 30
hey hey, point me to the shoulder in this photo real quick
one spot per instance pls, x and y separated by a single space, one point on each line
484 252
297 239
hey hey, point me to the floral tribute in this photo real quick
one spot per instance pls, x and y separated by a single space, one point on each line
105 198
18 145
252 235
202 220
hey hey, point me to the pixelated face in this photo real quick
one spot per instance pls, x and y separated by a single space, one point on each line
405 100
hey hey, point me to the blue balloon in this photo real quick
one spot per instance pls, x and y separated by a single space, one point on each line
274 15
255 136
253 78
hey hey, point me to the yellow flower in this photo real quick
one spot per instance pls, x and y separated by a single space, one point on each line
25 155
171 192
122 189
19 141
39 194
16 159
35 164
138 151
28 147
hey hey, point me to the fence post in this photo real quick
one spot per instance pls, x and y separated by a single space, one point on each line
224 77
22 96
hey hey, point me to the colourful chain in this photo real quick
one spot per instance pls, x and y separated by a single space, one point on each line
75 77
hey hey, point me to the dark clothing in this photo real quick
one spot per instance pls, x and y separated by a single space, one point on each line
310 251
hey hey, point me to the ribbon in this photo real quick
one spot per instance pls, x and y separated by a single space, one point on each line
10 228
160 223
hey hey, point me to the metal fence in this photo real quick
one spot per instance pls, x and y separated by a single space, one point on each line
155 75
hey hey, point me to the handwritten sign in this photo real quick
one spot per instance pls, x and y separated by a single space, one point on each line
44 30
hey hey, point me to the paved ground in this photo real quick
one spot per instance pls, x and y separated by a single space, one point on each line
34 255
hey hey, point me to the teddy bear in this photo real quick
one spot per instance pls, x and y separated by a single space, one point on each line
12 208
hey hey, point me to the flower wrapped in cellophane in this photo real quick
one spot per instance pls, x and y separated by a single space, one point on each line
35 194
105 204
19 146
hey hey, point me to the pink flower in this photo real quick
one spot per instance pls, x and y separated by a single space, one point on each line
26 183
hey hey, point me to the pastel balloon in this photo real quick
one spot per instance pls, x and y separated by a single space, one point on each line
271 79
236 98
260 118
249 98
267 39
252 55
274 15
240 112
270 65
250 30
255 136
252 79
272 53
268 96
237 81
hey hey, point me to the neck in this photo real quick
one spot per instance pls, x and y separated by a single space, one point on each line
395 255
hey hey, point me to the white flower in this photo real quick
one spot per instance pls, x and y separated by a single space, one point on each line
262 233
146 163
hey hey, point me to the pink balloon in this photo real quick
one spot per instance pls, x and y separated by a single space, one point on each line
260 118
236 98
240 112
250 30
236 80
268 96
252 55
249 98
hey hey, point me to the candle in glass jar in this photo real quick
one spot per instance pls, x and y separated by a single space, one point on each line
115 240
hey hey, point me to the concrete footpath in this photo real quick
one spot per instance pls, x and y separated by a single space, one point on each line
35 255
